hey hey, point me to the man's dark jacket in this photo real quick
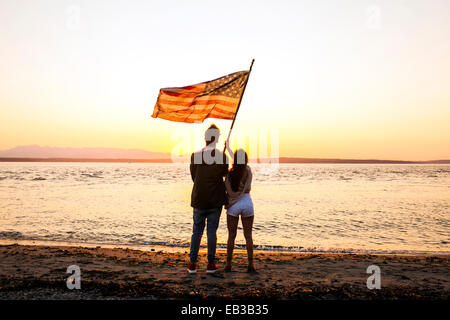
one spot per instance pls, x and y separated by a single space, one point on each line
209 189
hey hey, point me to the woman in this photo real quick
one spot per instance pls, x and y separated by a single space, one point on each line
238 183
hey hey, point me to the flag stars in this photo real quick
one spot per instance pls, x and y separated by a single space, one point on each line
229 86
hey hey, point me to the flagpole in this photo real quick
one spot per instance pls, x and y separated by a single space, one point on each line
239 104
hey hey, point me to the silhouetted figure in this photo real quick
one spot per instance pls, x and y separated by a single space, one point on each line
238 184
208 167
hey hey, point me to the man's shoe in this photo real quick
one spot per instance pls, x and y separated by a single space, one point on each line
251 269
192 268
211 268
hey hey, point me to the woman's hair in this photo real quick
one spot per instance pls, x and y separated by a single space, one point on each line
239 165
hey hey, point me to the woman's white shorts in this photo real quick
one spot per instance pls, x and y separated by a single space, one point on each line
244 206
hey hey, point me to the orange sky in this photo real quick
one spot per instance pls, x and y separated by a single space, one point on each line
352 80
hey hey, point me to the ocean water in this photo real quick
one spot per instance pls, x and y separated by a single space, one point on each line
299 207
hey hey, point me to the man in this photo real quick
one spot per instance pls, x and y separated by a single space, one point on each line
208 167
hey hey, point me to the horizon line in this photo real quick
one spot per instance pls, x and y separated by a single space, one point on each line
168 158
252 160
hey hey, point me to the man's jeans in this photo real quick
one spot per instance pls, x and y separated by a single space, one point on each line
212 217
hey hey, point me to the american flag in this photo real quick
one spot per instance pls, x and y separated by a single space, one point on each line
217 98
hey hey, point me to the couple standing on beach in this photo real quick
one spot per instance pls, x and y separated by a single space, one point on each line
208 168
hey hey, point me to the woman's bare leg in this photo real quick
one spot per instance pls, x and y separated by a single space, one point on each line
247 224
232 223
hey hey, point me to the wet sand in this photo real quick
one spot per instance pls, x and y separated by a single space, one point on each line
39 272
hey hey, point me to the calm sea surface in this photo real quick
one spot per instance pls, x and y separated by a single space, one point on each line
300 207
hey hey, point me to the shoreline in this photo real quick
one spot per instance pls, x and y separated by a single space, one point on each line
39 272
220 247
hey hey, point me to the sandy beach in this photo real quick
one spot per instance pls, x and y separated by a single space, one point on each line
39 272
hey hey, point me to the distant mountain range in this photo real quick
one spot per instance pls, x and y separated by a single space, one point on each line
56 154
35 151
